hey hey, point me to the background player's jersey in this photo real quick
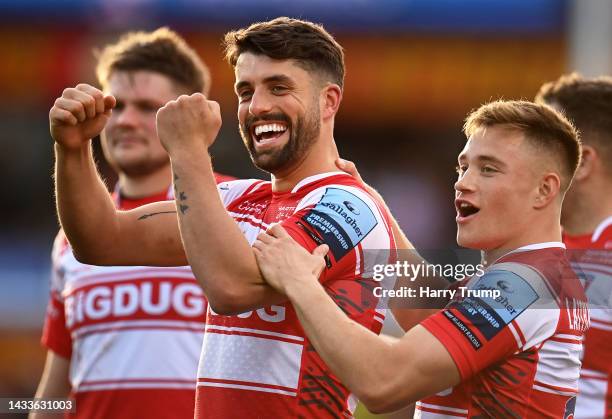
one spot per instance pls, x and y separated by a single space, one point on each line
259 364
518 353
591 258
133 334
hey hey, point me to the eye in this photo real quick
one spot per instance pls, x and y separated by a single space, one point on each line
148 107
119 106
487 170
460 169
244 95
278 90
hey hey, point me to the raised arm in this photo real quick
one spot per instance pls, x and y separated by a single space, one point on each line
219 254
97 232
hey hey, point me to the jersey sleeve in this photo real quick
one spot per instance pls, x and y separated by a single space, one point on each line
351 223
506 310
56 336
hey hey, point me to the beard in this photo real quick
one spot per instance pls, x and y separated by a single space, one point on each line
301 136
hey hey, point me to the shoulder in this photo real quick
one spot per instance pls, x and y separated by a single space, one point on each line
233 189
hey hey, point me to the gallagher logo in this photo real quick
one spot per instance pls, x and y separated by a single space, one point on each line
504 286
351 207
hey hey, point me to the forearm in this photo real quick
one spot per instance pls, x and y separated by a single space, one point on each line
85 208
385 373
361 360
219 254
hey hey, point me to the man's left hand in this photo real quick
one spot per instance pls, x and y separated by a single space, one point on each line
283 262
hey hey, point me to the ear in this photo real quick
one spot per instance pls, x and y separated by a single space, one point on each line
548 190
587 163
331 96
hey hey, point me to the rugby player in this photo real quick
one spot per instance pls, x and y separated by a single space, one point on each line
125 340
586 218
256 361
516 355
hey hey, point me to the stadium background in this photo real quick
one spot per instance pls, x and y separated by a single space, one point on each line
414 69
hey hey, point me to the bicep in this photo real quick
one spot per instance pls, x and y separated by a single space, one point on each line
149 235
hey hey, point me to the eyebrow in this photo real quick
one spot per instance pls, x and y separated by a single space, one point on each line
483 158
276 78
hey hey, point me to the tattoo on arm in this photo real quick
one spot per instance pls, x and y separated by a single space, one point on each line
181 197
145 216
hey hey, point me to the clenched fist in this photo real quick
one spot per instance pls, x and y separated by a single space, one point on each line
188 122
79 115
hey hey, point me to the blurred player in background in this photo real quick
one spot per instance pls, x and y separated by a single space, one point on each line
125 341
514 354
256 361
587 227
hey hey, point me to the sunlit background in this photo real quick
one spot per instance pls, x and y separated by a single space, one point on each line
414 69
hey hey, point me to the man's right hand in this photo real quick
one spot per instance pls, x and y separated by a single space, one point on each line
79 115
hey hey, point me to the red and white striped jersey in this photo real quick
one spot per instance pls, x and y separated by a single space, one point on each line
260 364
133 334
591 258
517 350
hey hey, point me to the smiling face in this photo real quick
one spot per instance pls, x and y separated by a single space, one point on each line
130 141
278 111
494 194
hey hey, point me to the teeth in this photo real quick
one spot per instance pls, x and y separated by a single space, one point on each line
464 205
260 129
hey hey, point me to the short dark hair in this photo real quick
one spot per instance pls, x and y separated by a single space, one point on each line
162 51
587 102
284 38
543 126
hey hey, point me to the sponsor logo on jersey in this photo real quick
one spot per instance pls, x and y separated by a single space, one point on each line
491 314
123 300
270 314
251 207
463 328
352 208
342 219
504 286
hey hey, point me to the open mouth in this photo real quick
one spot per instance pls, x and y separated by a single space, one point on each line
465 209
267 133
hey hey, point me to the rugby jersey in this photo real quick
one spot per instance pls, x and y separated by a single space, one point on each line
260 364
517 352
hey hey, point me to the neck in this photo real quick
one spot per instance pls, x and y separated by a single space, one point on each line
146 185
587 211
321 158
546 229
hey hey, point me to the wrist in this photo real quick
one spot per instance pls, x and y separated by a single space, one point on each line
63 151
189 152
301 286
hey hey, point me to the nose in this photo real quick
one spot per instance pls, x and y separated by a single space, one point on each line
465 182
126 117
260 103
